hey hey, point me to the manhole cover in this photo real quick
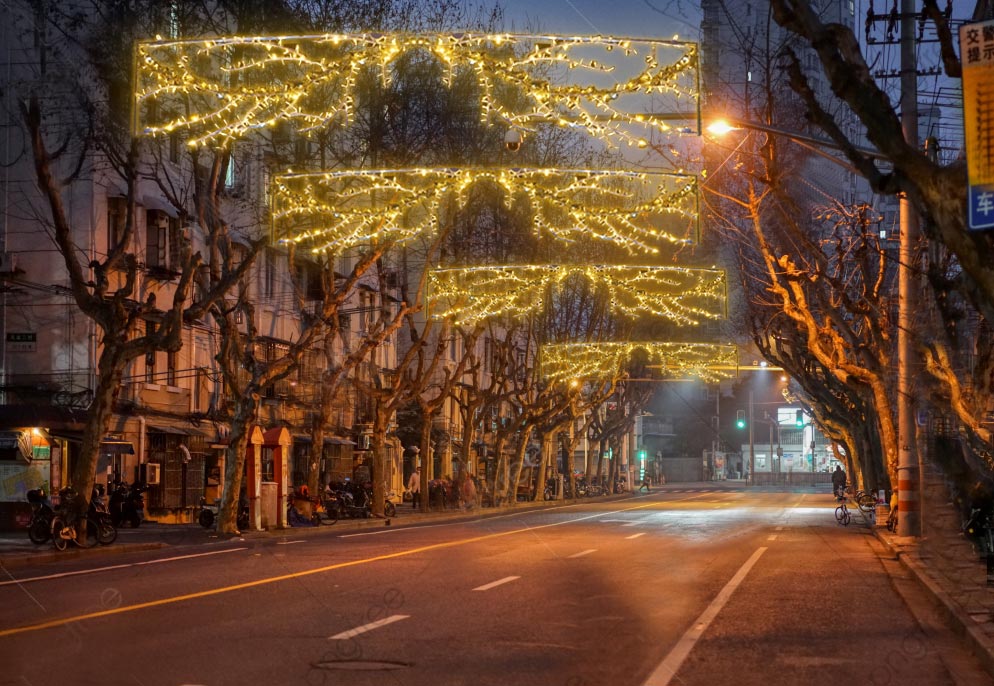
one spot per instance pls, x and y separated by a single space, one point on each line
360 665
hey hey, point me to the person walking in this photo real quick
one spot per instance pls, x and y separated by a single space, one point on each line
414 486
838 481
645 484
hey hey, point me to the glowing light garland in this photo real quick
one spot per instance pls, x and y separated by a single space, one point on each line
338 210
218 89
680 294
706 361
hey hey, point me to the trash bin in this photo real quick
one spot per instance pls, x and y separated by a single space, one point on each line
268 504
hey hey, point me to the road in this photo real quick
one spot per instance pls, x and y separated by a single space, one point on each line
681 586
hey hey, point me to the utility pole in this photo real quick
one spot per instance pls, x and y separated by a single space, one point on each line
752 446
908 471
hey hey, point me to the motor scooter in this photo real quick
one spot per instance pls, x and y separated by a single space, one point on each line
127 503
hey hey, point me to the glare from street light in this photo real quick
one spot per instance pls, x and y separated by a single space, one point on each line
720 127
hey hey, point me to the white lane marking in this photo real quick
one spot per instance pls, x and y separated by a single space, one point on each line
352 633
585 552
628 538
494 584
772 538
779 528
121 566
667 669
289 542
416 527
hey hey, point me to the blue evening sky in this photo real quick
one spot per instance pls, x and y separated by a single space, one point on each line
620 18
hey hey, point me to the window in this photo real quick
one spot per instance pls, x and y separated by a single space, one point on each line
269 275
150 329
175 243
171 363
117 216
156 231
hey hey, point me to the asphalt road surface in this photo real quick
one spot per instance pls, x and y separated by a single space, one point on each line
680 586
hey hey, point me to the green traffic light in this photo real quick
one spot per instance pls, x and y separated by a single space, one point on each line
740 423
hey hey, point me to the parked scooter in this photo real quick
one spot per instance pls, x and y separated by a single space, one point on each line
127 504
39 530
207 516
99 513
357 501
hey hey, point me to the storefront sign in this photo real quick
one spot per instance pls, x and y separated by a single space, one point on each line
23 342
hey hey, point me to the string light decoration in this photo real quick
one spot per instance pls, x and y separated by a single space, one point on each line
566 362
680 294
637 211
218 89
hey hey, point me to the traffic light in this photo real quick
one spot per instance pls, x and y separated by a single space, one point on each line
740 419
799 418
641 455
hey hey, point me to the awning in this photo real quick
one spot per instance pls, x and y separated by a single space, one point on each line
153 202
16 444
115 447
175 430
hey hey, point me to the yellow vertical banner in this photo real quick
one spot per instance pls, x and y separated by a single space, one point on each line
977 52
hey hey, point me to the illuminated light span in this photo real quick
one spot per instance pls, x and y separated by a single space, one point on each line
568 361
637 211
217 89
681 295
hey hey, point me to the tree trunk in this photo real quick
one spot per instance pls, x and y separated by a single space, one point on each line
427 462
512 493
246 410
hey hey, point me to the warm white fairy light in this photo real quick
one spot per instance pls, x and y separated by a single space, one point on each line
605 360
215 90
638 211
680 295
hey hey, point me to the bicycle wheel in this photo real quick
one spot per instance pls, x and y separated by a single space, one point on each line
106 533
846 517
39 531
866 502
389 509
839 514
58 524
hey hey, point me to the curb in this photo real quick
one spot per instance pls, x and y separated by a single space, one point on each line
979 643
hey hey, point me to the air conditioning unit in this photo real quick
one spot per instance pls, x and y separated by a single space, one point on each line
150 473
365 442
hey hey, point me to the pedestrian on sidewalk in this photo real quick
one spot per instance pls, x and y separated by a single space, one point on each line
838 481
414 486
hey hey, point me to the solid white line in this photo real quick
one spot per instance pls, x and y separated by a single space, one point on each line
585 552
494 584
416 527
113 567
290 542
628 538
667 669
352 633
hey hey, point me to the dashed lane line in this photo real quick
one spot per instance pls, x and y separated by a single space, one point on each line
583 552
495 584
628 538
352 633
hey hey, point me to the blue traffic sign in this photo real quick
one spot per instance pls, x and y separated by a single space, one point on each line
981 204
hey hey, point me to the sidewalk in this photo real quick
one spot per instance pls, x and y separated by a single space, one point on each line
947 566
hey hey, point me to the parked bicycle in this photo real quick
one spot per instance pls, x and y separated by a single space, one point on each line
67 523
842 514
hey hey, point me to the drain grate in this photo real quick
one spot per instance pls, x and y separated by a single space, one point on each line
360 665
